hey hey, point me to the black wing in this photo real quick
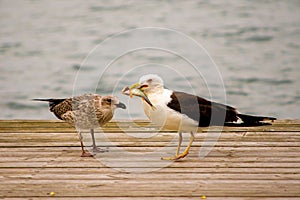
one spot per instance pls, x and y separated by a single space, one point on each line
201 110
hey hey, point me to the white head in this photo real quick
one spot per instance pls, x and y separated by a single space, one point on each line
151 83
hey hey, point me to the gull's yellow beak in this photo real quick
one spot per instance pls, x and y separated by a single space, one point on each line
135 86
136 89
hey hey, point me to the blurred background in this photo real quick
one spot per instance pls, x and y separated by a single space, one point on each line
44 45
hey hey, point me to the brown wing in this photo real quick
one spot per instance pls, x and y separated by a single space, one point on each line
201 110
61 108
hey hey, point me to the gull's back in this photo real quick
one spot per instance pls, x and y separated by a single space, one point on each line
83 111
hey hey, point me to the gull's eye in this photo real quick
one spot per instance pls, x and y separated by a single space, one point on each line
108 100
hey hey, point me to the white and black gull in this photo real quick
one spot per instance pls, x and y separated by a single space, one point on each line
185 112
88 111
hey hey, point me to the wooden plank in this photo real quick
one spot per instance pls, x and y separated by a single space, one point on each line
54 125
138 129
134 166
98 173
171 171
61 143
215 152
280 122
247 139
131 187
32 155
142 136
158 198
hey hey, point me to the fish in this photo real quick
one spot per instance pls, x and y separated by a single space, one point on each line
136 92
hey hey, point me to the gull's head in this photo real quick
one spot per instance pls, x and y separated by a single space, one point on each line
111 102
149 83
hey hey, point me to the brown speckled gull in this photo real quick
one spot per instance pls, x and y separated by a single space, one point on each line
87 111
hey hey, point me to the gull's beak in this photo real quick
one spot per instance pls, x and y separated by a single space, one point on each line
135 86
121 105
136 90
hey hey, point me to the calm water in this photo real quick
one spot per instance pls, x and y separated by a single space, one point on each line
255 44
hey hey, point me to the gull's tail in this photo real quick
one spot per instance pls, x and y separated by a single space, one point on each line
250 120
52 102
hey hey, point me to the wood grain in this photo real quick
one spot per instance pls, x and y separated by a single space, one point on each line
43 156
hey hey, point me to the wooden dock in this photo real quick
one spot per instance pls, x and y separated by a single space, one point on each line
41 160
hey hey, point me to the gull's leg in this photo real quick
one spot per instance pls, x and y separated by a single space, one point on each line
95 148
84 153
93 139
179 143
178 148
186 151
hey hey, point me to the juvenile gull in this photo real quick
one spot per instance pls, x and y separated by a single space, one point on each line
87 111
185 112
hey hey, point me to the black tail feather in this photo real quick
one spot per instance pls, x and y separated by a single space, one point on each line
52 102
232 124
250 120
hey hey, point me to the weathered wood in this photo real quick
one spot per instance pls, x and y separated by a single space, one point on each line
158 198
131 187
99 173
45 126
39 157
109 198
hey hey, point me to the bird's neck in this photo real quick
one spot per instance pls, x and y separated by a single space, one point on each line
160 96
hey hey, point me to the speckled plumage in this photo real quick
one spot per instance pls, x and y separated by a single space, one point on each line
84 112
88 111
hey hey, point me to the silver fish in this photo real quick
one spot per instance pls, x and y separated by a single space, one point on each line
136 92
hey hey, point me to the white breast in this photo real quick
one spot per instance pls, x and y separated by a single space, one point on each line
166 117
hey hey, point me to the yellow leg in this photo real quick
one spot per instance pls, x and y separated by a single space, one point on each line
186 151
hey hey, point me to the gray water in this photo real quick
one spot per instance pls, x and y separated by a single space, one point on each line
254 44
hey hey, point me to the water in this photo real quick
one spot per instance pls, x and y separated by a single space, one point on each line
255 45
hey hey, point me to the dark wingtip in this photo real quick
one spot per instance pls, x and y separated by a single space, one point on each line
253 118
40 99
252 124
